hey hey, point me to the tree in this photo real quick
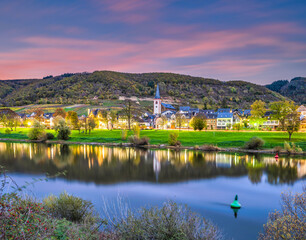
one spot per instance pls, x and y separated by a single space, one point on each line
39 114
112 118
63 130
292 123
198 123
60 112
258 109
127 111
37 132
73 120
281 109
180 120
91 124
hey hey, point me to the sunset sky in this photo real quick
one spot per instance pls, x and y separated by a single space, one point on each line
258 41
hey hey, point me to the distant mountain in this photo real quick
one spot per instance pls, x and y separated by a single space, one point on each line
294 89
95 87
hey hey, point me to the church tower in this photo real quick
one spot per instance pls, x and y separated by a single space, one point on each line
157 102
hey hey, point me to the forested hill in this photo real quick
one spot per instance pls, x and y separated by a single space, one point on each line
96 86
294 89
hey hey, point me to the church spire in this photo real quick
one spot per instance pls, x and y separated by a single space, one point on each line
157 96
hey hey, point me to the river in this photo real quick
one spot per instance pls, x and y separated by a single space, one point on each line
207 182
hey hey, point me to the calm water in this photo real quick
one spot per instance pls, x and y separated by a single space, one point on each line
207 182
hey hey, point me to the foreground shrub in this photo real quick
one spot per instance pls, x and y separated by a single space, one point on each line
136 141
72 208
254 143
171 221
172 140
210 147
37 132
24 218
290 222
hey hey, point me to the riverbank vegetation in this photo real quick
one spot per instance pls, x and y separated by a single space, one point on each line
224 139
70 217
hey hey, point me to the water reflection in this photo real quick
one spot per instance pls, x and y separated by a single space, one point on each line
102 164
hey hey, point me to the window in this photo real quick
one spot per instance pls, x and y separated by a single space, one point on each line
156 102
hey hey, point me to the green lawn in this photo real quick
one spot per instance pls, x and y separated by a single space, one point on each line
187 138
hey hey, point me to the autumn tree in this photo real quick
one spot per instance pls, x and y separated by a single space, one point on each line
198 122
60 112
39 114
281 109
73 120
258 109
292 123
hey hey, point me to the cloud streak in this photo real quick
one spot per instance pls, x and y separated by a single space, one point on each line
58 55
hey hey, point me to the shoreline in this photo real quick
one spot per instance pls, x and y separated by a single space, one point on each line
161 146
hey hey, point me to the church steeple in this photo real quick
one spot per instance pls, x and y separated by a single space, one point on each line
157 96
157 102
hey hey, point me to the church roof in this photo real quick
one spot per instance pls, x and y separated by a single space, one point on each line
157 96
168 106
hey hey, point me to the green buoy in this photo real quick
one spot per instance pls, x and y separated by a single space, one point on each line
236 204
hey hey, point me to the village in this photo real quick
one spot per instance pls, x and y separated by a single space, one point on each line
163 116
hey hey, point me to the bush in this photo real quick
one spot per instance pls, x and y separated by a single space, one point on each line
290 222
210 147
172 140
254 143
136 130
24 218
72 208
50 136
292 148
123 135
171 221
37 132
136 141
63 130
277 149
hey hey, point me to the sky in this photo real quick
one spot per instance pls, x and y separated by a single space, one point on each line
255 40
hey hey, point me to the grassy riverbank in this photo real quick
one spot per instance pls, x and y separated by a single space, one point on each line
187 138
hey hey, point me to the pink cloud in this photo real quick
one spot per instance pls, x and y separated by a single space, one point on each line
42 56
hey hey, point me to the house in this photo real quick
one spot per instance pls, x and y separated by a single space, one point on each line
224 120
207 111
270 124
211 120
168 113
224 110
48 120
166 106
302 111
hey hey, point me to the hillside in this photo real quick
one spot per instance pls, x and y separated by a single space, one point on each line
93 88
294 89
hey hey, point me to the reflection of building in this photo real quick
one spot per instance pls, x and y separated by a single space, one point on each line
156 165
